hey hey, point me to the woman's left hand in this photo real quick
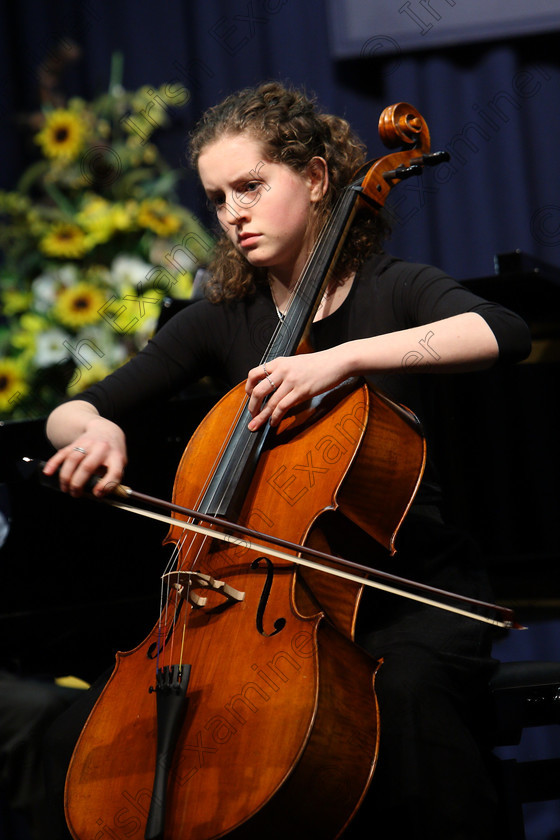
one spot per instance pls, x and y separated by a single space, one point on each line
288 381
462 342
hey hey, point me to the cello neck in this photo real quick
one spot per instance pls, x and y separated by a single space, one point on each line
314 278
233 473
399 125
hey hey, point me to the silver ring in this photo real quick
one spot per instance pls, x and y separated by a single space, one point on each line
80 449
269 379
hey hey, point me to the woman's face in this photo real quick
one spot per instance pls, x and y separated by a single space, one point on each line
265 208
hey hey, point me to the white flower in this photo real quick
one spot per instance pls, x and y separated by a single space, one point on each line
129 271
145 331
49 347
47 286
67 275
44 290
100 342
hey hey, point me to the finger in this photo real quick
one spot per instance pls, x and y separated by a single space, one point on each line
111 478
253 379
54 462
269 413
265 388
259 420
274 409
258 374
78 476
260 413
70 459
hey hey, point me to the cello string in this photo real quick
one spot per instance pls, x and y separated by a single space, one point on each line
181 600
185 623
163 624
159 648
172 603
302 289
306 279
168 611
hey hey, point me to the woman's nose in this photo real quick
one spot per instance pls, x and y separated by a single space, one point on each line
234 212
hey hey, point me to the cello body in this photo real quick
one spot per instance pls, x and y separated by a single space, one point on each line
248 711
278 730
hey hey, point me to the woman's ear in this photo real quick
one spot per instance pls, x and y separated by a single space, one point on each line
318 178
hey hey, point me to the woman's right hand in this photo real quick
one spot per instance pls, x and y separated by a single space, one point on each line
90 447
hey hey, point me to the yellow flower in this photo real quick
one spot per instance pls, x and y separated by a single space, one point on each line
182 287
63 135
14 203
102 220
84 378
93 207
64 240
121 216
95 219
79 305
33 323
155 214
24 342
36 224
150 154
137 311
12 384
15 301
104 128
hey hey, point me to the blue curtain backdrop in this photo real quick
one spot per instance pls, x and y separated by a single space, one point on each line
494 106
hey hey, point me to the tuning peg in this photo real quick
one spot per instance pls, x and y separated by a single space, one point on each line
402 172
432 159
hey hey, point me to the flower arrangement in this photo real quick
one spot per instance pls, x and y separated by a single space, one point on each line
92 239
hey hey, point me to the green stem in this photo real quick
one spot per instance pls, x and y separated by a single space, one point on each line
60 199
116 77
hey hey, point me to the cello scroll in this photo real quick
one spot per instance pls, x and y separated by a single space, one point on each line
399 125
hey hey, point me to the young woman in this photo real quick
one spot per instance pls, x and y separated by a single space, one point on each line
272 165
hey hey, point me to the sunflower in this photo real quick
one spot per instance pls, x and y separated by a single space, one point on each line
64 240
12 384
155 214
63 134
78 306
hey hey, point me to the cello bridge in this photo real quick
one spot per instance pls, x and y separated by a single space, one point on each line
186 582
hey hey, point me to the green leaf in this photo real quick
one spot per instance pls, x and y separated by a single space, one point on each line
63 203
32 174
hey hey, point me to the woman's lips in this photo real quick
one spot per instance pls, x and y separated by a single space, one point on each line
248 239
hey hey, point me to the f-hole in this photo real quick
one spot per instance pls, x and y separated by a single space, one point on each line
280 623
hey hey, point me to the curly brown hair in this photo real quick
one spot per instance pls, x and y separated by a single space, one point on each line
292 131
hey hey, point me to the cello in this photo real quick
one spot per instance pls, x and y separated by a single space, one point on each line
248 710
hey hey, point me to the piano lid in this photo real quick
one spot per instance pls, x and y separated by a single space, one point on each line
526 285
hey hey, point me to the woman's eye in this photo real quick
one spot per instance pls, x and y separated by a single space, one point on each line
243 196
246 195
215 202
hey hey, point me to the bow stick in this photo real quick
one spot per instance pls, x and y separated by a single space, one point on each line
384 581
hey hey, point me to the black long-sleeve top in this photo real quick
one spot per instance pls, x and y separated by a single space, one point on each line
226 340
